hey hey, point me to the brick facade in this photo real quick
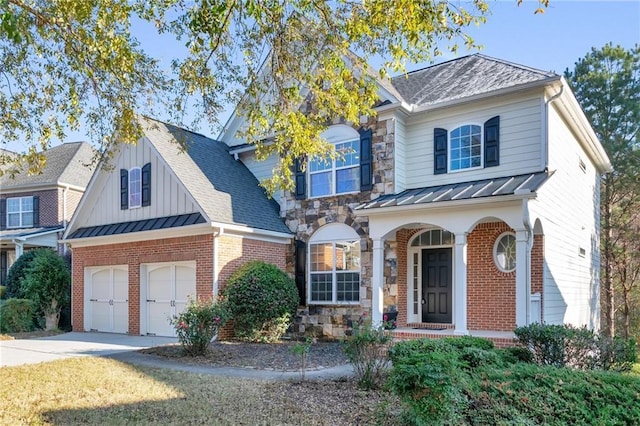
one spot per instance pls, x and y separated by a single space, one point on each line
232 252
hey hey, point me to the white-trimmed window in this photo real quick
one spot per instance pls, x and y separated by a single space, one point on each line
19 212
339 176
504 252
465 147
334 265
135 187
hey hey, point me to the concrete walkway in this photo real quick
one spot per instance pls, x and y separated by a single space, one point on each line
124 348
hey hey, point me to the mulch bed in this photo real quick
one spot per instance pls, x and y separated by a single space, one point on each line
263 356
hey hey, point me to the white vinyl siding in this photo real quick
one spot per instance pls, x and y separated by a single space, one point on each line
520 140
168 194
260 169
568 206
400 156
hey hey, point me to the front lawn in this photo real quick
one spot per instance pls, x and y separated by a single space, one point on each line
104 391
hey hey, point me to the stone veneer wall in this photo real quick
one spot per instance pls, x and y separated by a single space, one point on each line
304 217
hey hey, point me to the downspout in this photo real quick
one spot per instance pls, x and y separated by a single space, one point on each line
526 221
545 125
65 189
216 235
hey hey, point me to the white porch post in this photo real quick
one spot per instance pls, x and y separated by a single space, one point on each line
523 260
19 248
377 299
460 284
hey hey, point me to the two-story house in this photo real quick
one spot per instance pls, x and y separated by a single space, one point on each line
469 204
35 208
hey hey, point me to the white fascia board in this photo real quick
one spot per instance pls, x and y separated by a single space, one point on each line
252 233
444 205
157 234
25 238
30 187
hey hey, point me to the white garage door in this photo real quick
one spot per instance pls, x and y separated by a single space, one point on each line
168 288
106 299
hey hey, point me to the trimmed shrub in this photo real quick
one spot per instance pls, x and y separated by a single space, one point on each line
577 347
16 315
366 350
47 282
198 324
17 273
262 301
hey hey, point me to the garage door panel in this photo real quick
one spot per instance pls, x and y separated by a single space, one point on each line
185 283
159 314
120 285
168 290
100 288
100 316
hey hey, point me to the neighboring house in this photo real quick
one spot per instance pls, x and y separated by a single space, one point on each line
35 209
159 225
470 204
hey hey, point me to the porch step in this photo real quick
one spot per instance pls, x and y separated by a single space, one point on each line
501 339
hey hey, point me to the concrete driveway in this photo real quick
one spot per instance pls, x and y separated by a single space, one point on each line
73 344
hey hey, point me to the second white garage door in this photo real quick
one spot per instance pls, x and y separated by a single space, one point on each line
167 288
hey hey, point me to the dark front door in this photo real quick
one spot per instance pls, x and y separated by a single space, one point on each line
436 285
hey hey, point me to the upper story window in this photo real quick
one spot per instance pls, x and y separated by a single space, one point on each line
334 265
469 146
465 148
339 176
20 212
135 187
349 173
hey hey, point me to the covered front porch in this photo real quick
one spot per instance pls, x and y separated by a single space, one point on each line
463 267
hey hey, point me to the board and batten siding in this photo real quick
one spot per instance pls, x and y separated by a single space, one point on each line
400 155
568 209
520 139
168 195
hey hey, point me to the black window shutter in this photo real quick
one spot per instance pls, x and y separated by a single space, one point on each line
366 160
439 151
36 212
492 142
301 179
301 270
3 213
146 185
124 189
3 267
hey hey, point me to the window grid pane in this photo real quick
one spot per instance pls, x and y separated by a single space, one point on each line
19 212
347 180
321 287
321 257
465 148
348 286
321 184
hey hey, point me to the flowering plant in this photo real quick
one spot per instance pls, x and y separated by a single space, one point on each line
198 324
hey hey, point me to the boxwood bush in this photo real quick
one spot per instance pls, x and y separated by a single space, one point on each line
16 315
17 272
262 301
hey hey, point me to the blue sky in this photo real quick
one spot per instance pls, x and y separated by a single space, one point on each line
552 41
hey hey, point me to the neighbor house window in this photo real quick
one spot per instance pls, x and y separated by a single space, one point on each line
504 252
339 176
465 148
334 265
135 187
19 212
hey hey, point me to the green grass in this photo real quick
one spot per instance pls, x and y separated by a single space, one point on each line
104 391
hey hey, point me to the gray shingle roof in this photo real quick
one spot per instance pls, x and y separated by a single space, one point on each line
11 234
508 185
464 77
225 189
68 163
